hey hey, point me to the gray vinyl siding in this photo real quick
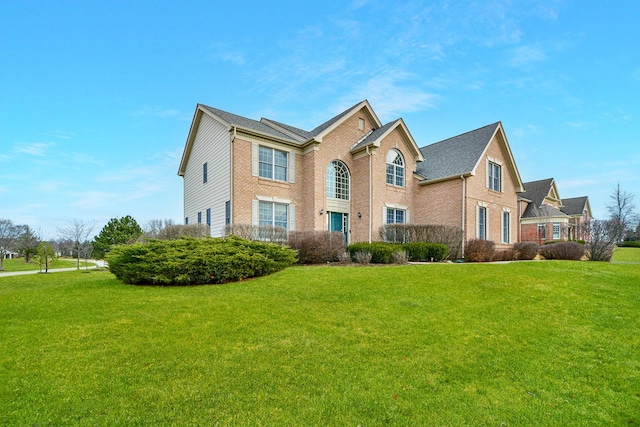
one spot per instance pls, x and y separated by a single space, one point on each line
211 146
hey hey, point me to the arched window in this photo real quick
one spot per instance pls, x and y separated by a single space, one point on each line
395 168
338 180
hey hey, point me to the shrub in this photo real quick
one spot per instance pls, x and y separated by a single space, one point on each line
400 257
422 251
257 232
526 250
629 244
563 250
381 253
194 261
508 254
315 247
362 257
478 250
449 236
344 258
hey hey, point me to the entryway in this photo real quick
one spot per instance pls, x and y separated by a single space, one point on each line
339 221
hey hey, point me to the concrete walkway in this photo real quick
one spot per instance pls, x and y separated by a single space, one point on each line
96 264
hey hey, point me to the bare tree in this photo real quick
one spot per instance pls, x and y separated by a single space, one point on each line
9 235
78 232
621 212
27 244
602 232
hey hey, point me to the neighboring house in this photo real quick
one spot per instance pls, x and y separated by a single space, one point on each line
351 174
579 211
547 217
10 255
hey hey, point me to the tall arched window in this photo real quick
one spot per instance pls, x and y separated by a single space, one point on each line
338 180
395 168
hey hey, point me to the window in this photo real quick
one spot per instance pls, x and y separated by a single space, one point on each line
542 231
205 177
361 124
273 214
186 220
338 180
395 216
482 223
227 212
199 217
495 171
272 164
395 168
556 230
209 216
506 227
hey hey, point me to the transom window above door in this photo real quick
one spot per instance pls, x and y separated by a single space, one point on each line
338 180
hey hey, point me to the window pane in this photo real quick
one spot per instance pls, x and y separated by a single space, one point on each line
390 173
266 213
399 176
482 212
399 216
266 162
338 180
390 216
280 215
280 160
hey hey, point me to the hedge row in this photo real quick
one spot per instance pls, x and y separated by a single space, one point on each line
383 253
196 261
629 244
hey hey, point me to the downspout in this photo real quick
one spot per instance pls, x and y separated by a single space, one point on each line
233 138
370 195
464 212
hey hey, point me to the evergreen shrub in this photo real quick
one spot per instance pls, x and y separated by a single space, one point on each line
422 251
196 261
381 253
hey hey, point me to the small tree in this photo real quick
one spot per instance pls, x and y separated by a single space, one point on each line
46 255
9 234
117 231
27 244
602 234
78 232
621 213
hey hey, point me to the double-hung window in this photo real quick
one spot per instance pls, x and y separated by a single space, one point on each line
395 216
395 168
482 222
506 227
495 173
273 214
205 173
209 217
273 164
556 230
199 217
227 212
542 231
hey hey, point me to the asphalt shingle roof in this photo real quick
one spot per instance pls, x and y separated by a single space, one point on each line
374 135
318 130
536 191
575 205
243 122
455 156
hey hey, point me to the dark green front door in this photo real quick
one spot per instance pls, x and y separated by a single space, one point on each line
339 222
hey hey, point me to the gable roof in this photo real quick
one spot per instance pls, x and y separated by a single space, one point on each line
375 136
460 155
537 192
543 211
576 206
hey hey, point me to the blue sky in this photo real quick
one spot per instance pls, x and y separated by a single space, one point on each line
97 97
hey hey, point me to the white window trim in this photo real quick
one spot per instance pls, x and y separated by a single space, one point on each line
509 237
484 205
255 162
291 210
488 180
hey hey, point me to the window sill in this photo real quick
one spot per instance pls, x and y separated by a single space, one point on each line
274 183
396 188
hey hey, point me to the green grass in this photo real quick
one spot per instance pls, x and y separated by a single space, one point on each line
528 343
19 264
626 255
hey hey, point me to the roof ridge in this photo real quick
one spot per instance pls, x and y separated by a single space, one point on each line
463 133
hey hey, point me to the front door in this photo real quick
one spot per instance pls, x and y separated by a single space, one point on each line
339 222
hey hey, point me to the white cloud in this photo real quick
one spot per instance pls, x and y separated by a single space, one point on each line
155 112
525 55
33 148
226 53
60 134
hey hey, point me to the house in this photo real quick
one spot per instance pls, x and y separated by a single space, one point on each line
350 174
545 216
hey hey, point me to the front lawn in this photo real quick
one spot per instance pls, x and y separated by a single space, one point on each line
19 264
626 255
527 343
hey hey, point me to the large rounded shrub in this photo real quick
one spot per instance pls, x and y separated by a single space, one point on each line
196 261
